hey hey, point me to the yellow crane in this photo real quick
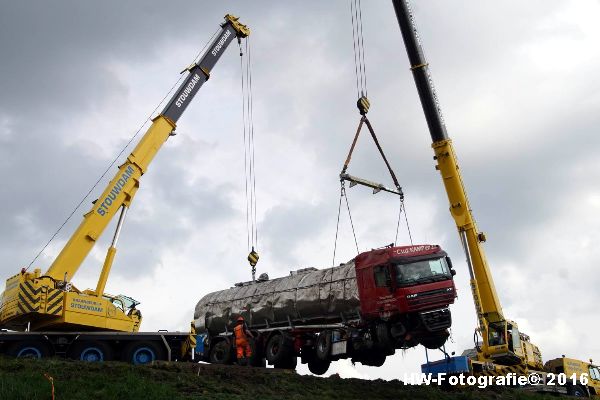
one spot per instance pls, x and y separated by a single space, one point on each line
34 301
503 349
501 341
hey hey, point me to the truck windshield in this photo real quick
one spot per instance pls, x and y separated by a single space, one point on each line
422 271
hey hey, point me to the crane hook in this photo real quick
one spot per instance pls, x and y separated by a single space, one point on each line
253 260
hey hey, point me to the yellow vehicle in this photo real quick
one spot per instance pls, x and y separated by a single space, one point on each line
567 372
49 302
500 348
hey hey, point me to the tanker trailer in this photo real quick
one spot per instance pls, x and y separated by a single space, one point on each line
382 300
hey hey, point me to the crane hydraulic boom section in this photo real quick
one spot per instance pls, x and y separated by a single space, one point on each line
49 300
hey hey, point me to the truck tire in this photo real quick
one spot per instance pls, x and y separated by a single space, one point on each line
34 349
257 359
384 339
289 363
373 359
140 353
91 351
434 341
323 346
318 367
577 391
221 352
279 349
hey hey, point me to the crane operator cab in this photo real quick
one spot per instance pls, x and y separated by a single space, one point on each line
504 343
126 305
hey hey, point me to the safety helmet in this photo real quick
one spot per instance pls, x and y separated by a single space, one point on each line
240 318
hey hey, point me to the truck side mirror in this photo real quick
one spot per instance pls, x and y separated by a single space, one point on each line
449 262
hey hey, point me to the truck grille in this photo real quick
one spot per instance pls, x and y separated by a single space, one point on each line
437 320
437 296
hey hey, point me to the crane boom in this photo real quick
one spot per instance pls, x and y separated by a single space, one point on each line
35 301
502 342
122 188
448 164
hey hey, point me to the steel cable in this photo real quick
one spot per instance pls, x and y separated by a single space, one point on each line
120 153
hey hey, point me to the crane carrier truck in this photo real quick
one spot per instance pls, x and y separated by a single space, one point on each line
43 314
383 300
500 348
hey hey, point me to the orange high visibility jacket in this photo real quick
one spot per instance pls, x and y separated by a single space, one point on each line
240 333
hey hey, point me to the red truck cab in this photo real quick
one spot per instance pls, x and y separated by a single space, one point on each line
411 288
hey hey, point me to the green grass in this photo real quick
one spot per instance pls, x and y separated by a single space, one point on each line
24 379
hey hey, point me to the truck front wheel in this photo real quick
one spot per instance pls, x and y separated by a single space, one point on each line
384 338
434 341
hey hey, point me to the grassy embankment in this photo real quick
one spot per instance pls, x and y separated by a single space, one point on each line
25 379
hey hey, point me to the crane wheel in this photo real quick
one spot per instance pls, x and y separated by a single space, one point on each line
139 353
29 349
577 391
91 351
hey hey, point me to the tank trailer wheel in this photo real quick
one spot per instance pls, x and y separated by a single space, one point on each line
317 366
221 352
90 351
279 350
289 363
139 353
323 346
29 349
257 359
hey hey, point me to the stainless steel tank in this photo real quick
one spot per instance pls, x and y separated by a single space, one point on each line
306 296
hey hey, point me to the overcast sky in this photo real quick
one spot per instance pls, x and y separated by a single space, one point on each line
518 83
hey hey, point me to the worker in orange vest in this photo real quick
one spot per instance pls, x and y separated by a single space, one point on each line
242 345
